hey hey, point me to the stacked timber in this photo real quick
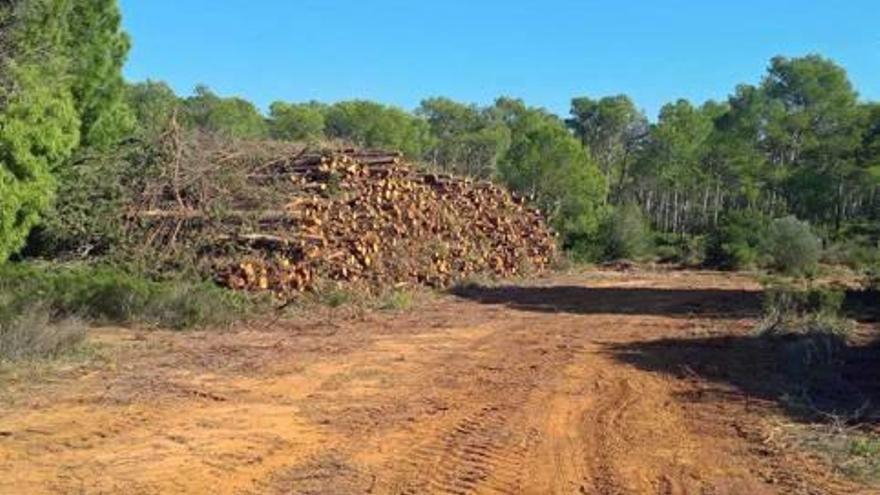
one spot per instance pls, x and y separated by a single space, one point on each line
354 216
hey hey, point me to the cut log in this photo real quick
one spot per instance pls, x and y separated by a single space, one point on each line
355 216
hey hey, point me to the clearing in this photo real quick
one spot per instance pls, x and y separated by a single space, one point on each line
596 383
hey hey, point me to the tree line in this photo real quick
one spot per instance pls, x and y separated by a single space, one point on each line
799 142
74 136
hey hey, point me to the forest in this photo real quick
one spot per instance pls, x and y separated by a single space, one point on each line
798 142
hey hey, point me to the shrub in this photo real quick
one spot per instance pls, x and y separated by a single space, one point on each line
667 253
686 250
811 333
181 305
693 250
111 294
734 243
33 334
86 217
335 297
792 247
871 281
853 452
787 300
627 233
813 315
584 248
856 253
396 300
865 447
586 241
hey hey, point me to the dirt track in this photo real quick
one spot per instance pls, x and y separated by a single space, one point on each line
544 388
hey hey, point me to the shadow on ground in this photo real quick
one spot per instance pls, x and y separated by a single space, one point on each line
718 303
862 305
808 377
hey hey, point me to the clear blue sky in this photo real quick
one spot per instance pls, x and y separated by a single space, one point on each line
399 51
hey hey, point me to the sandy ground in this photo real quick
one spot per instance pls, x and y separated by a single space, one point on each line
556 386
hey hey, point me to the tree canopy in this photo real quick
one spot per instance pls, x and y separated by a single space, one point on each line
548 163
39 122
96 48
297 121
614 131
153 104
466 139
373 125
231 116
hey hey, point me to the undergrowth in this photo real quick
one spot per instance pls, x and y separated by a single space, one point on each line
796 307
106 294
850 451
805 325
332 299
397 299
34 334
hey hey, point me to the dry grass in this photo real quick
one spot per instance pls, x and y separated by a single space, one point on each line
397 300
35 335
853 452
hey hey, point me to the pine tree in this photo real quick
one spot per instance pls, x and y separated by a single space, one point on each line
39 126
97 47
61 88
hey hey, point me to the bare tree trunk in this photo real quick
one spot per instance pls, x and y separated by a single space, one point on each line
666 216
675 211
704 217
838 217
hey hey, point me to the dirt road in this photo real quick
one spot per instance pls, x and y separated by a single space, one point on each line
561 386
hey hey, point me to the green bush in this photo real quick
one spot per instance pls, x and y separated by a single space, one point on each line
584 248
332 294
667 253
194 304
792 247
396 300
856 253
735 242
87 218
686 250
110 294
693 250
627 233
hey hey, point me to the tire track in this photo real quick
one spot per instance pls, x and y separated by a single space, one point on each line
484 449
604 428
479 453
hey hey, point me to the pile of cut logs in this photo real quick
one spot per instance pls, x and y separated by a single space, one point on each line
357 216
